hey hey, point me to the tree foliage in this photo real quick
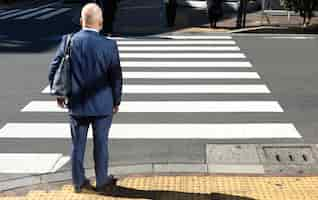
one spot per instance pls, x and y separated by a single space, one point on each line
304 7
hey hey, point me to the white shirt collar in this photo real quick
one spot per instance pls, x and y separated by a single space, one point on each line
90 29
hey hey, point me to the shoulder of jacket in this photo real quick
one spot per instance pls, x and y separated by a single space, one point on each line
109 41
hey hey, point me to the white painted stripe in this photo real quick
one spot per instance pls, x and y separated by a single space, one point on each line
35 13
183 75
9 12
191 75
25 11
57 12
19 13
197 37
172 106
291 37
30 163
178 48
191 89
184 64
174 42
195 4
158 131
60 163
182 55
201 106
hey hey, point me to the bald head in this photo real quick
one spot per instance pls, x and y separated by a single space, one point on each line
92 16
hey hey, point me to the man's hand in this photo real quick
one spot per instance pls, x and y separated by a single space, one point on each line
115 109
61 102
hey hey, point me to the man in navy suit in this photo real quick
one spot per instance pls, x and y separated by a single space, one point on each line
96 94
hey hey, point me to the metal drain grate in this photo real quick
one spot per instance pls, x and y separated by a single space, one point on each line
298 155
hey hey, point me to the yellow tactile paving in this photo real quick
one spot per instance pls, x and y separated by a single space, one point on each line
195 188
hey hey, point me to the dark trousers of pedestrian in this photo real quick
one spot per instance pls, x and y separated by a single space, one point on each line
241 15
79 128
215 11
171 11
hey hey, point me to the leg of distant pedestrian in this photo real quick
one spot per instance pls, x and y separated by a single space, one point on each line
171 11
209 11
239 15
244 12
109 8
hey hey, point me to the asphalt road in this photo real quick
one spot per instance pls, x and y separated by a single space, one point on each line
289 67
286 66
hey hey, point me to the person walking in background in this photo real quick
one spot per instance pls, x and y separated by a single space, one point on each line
171 11
96 82
215 11
109 8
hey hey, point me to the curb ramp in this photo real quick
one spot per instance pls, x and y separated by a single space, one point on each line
204 187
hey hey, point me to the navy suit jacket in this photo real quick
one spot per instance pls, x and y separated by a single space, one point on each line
96 74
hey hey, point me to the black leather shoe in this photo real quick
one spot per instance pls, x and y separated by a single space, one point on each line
107 188
86 186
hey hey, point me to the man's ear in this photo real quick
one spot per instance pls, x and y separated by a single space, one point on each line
81 21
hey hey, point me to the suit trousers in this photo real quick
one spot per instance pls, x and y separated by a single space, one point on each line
79 128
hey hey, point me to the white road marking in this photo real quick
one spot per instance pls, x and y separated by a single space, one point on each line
182 55
191 75
30 163
35 13
183 75
184 64
291 37
9 12
19 13
191 89
175 42
200 106
196 4
25 11
158 131
57 12
178 48
172 106
60 163
197 37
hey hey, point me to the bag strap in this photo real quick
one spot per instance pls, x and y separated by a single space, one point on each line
67 48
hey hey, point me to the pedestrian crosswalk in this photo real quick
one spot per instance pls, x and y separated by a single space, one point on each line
190 89
182 55
185 75
172 106
176 42
157 131
165 64
42 12
182 66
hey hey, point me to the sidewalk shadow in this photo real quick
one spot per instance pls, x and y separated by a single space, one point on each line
123 192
